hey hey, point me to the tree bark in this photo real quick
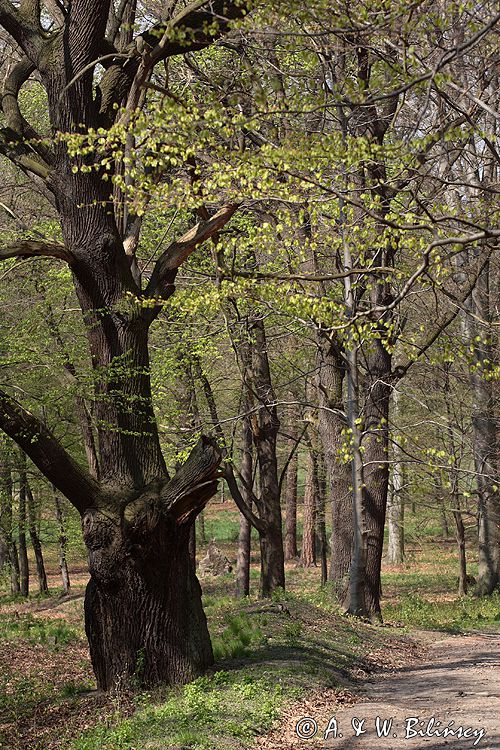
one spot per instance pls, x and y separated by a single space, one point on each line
192 545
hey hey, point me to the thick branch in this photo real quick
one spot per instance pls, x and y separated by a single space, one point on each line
242 506
36 249
47 453
22 155
200 24
17 77
56 10
195 483
20 29
162 279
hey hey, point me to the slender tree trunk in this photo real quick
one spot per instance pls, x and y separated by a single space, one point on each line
245 535
376 468
485 445
4 552
331 423
6 519
442 507
308 552
35 542
291 551
320 518
15 570
460 532
63 565
23 551
395 504
356 595
452 449
265 426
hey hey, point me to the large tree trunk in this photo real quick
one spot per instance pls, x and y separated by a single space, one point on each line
330 375
143 612
376 468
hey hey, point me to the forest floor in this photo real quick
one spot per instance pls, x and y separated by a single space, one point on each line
277 661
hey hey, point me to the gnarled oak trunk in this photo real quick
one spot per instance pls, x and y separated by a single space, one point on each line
143 612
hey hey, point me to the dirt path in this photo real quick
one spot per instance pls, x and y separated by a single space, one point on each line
414 684
458 685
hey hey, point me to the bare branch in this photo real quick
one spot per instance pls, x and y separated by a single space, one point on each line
445 320
242 506
36 249
47 453
22 154
375 271
167 265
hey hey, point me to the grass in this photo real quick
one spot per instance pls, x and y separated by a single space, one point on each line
35 630
225 710
460 615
